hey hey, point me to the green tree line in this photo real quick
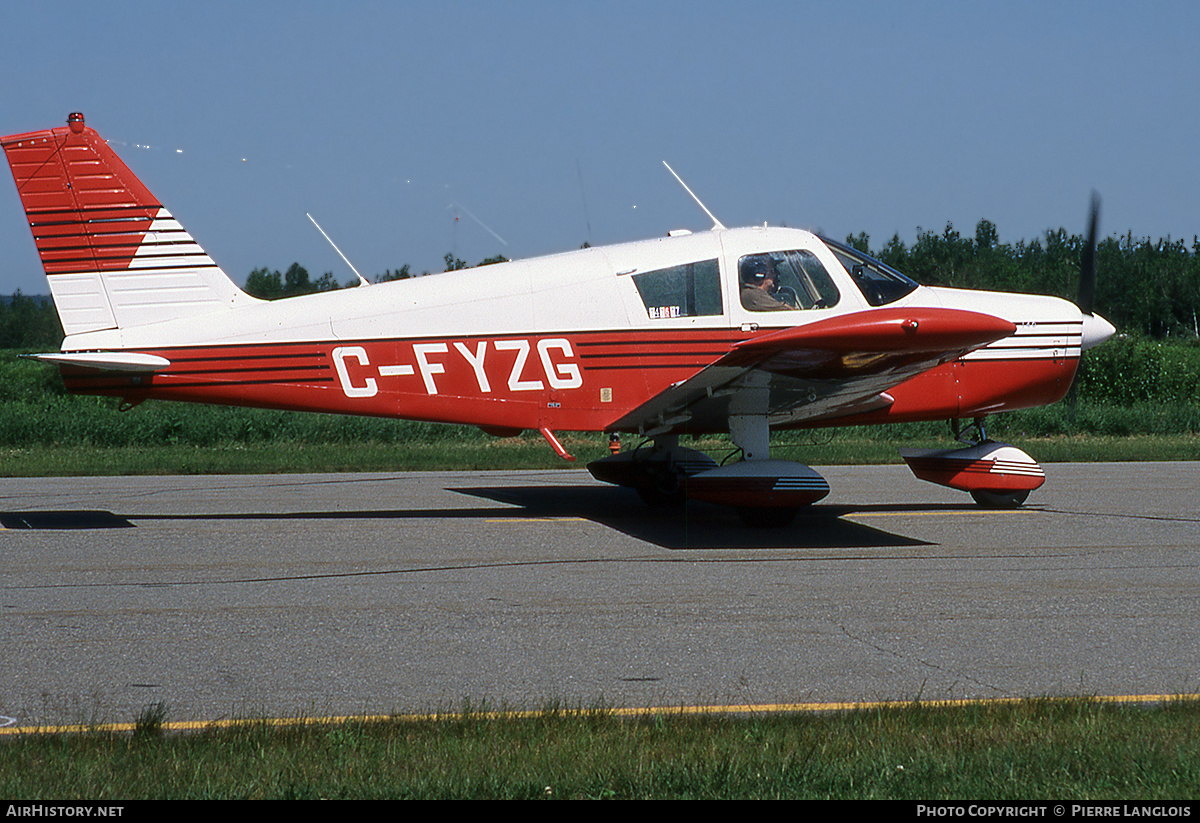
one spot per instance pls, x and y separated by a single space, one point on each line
1143 287
29 323
272 285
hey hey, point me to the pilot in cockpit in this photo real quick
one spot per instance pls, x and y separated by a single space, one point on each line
759 282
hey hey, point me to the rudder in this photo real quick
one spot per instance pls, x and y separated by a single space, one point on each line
115 258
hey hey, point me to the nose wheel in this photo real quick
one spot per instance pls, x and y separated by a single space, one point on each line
997 475
999 500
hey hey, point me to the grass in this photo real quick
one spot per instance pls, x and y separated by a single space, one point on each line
1003 751
528 452
44 431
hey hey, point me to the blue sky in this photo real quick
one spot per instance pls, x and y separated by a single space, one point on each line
548 121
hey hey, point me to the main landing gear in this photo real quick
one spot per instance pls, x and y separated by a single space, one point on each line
769 493
997 475
764 492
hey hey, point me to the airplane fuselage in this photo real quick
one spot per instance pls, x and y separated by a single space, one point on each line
572 341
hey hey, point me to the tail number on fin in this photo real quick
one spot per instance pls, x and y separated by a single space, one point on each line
468 365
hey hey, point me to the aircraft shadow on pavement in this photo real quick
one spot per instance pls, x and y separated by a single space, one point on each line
695 526
63 520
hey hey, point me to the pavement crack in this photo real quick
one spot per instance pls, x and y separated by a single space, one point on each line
918 660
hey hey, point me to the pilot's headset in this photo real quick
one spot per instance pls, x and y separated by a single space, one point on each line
755 268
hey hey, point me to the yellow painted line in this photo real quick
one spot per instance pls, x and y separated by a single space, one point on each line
643 711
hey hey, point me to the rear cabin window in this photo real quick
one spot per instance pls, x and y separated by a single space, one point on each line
690 290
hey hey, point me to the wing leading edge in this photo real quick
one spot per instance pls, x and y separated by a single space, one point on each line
829 368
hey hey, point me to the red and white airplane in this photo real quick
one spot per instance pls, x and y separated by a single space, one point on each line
727 330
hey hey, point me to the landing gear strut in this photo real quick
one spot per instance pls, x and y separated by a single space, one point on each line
764 492
964 435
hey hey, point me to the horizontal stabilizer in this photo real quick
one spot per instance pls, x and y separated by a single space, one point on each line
106 360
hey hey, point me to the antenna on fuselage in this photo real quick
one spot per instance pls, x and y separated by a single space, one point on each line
457 207
362 280
717 224
586 219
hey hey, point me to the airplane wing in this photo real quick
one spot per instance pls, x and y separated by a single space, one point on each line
825 369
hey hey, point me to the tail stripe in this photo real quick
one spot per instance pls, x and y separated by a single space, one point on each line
105 239
114 256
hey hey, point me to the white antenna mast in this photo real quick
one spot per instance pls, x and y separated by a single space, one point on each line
717 224
486 227
362 280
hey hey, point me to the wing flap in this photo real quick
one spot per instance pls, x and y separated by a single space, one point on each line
825 369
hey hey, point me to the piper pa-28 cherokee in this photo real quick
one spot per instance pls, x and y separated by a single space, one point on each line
727 330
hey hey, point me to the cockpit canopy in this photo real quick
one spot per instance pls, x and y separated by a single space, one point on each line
795 279
879 282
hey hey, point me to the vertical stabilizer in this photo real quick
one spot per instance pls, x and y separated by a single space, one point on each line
115 258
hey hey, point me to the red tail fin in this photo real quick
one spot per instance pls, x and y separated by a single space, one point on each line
114 256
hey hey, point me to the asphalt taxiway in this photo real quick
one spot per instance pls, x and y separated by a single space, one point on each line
373 593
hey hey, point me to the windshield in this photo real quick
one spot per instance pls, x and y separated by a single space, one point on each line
879 283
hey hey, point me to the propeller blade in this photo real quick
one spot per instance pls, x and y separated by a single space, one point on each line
1087 263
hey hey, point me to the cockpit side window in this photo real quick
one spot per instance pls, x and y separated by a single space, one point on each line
784 281
690 290
879 282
